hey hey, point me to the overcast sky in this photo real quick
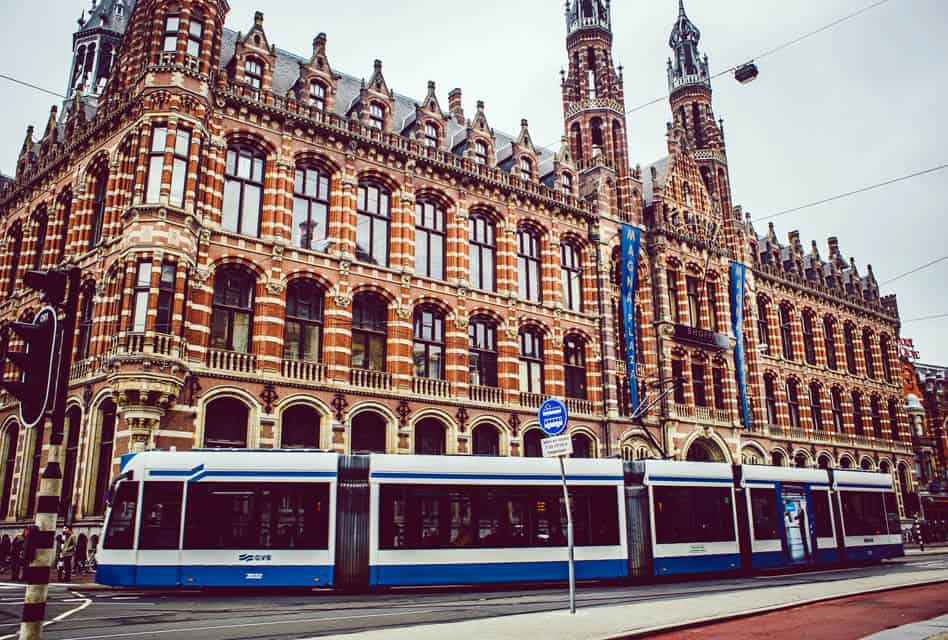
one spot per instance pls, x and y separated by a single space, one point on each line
850 107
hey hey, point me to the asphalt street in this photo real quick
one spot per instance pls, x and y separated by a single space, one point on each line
92 614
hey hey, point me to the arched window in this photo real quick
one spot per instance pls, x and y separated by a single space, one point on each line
41 224
582 446
430 438
483 247
486 441
885 349
574 364
99 188
850 344
857 413
16 248
526 168
824 462
369 329
531 361
571 272
837 400
671 277
786 332
310 207
480 153
793 403
84 335
103 474
845 463
10 438
578 141
763 325
300 428
875 413
73 424
800 460
867 353
430 239
816 406
225 424
596 126
894 420
693 295
243 190
529 264
253 72
232 311
829 341
770 399
428 351
531 444
432 135
376 116
368 433
866 464
303 332
483 358
372 220
776 459
317 95
809 339
195 33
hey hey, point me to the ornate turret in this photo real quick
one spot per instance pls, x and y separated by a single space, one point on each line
688 67
588 14
95 45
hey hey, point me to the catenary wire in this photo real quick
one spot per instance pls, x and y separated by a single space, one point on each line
916 270
924 318
30 85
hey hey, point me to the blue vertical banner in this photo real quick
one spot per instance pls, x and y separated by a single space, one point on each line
738 282
631 242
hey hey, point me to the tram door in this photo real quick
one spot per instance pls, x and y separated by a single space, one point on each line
796 524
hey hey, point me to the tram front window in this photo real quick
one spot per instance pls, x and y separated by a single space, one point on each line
863 513
120 532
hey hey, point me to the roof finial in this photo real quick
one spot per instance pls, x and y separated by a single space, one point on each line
681 7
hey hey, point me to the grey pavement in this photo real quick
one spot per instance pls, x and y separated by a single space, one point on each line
918 631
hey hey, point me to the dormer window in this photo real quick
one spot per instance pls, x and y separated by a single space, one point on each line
431 135
566 181
195 34
377 116
317 96
172 27
480 153
526 169
254 72
119 10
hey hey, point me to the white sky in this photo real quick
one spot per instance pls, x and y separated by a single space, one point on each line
845 109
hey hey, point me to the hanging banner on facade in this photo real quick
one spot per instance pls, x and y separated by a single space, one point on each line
738 280
631 241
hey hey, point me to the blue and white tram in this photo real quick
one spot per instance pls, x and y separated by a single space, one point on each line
871 527
221 518
481 520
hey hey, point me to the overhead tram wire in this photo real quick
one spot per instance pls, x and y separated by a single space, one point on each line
916 270
924 318
31 86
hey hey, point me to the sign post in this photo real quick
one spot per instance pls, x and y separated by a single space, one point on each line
553 417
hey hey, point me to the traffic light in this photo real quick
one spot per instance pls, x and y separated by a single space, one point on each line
37 364
52 284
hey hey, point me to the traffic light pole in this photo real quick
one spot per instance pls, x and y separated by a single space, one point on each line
51 480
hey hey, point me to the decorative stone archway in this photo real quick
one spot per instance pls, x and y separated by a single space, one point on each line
705 450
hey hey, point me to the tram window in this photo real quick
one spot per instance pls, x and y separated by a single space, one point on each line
863 513
161 515
764 509
425 517
892 513
259 516
821 514
693 514
120 532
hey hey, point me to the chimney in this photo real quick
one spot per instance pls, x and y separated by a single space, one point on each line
795 243
834 249
456 105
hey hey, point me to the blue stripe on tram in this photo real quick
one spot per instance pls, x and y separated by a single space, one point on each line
215 576
479 573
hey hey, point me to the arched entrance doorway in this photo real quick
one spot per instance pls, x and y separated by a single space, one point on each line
582 446
300 428
368 433
429 438
531 444
486 441
705 450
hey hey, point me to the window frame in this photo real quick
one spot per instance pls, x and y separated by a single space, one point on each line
793 403
692 292
41 224
253 72
432 135
195 39
770 399
16 254
313 321
809 338
481 152
532 366
141 291
571 276
170 33
858 419
816 406
836 404
481 245
258 160
867 354
699 386
529 265
232 311
377 115
430 344
850 346
99 194
156 163
166 291
317 95
525 168
367 329
763 325
829 343
378 221
483 354
84 326
673 294
574 368
786 332
433 237
313 203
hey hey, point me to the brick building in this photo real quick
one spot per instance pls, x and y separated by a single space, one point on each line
279 254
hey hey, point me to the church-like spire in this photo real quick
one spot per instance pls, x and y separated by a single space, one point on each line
588 14
688 66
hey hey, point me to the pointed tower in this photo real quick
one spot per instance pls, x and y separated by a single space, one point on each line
593 99
95 44
689 87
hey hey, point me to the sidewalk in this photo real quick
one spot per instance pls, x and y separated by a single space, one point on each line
642 618
934 629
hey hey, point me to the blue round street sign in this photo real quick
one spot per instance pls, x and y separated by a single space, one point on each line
553 417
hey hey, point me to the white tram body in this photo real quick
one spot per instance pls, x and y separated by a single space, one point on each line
871 526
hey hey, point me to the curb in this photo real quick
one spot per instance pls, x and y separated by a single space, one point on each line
727 617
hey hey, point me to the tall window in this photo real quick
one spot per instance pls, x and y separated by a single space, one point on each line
793 403
65 201
526 168
41 223
165 298
369 328
809 342
571 272
483 246
98 206
529 263
232 312
172 27
84 335
431 135
566 183
310 207
694 301
243 190
857 413
884 347
317 95
253 71
763 325
894 419
480 153
430 240
376 116
303 332
195 33
372 220
829 341
713 306
156 163
699 385
770 399
816 406
16 248
717 379
106 440
867 354
428 352
483 359
140 299
837 405
179 166
531 361
786 332
574 363
673 296
678 381
11 437
850 348
875 412
72 457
